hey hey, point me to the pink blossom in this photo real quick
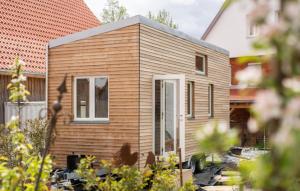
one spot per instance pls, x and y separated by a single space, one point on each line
249 76
267 105
293 84
252 125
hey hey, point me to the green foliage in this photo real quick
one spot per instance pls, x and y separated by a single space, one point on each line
277 104
35 132
188 186
22 173
216 137
165 174
19 168
163 17
35 135
16 87
113 12
161 176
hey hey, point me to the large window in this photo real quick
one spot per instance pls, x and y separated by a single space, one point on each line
91 98
190 99
210 100
200 64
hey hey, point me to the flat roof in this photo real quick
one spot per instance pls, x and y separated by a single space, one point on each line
128 22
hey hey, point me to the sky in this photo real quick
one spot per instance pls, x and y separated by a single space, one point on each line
192 16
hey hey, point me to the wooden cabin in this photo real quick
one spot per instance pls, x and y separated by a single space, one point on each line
139 82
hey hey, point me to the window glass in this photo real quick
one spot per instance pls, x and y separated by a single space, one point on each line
190 97
101 97
211 100
200 64
82 102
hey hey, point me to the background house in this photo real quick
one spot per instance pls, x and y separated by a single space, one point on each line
26 27
233 30
139 82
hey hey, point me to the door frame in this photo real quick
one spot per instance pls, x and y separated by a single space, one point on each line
181 108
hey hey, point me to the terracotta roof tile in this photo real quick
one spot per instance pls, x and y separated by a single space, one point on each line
27 26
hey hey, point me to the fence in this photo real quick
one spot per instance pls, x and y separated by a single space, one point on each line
30 110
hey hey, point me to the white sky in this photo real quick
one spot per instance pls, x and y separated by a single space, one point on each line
192 16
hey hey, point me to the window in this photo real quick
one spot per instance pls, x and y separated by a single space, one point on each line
210 100
201 64
190 99
91 98
252 29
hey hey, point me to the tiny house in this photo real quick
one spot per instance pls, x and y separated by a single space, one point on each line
139 82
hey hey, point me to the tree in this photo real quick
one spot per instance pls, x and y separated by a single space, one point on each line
277 103
163 17
114 12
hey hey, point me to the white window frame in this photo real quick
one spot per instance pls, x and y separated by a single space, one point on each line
204 64
91 99
210 100
255 28
190 113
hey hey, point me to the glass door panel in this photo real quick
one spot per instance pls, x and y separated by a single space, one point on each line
170 115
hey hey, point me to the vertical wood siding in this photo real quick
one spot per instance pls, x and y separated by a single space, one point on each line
161 53
116 55
36 87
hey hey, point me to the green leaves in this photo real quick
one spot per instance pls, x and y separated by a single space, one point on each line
113 12
19 162
18 92
216 137
161 176
163 17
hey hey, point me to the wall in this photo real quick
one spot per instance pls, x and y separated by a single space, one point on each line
230 31
36 87
162 53
115 54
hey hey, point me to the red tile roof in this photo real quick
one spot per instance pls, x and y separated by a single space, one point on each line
27 26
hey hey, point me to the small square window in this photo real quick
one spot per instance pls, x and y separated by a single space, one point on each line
200 64
91 98
190 100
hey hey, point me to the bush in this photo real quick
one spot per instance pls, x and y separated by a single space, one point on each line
160 176
35 133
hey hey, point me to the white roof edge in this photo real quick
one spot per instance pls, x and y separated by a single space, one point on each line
127 22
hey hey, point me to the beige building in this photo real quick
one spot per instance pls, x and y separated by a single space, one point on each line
139 82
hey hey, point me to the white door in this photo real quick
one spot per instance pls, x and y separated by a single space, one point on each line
168 114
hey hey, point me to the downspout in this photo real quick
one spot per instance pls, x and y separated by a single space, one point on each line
46 95
139 105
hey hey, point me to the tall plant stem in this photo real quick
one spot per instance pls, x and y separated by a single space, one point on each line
56 108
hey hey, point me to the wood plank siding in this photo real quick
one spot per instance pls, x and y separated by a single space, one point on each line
114 54
130 56
162 53
36 87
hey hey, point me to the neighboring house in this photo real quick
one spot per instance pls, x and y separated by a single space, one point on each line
26 27
233 30
139 82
